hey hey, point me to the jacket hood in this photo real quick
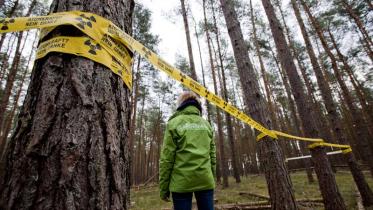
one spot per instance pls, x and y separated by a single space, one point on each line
189 110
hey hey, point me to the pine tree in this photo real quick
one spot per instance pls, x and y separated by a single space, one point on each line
361 130
328 186
224 93
222 159
70 146
271 158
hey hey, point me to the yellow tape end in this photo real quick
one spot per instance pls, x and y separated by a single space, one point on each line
260 136
345 151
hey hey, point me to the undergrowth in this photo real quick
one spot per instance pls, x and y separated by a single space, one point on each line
148 198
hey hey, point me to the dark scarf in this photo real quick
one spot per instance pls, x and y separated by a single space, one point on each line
188 102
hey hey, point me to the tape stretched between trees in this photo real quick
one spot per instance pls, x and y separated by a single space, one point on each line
96 27
115 42
345 148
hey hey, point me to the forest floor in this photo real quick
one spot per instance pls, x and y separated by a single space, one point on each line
148 198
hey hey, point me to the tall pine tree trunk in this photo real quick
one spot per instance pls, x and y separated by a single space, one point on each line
189 43
262 69
223 163
208 107
224 93
271 157
134 98
70 147
320 121
328 186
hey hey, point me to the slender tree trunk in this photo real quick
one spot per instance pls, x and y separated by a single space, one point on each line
189 43
328 186
139 164
203 74
223 163
239 146
250 149
159 143
70 147
272 161
361 130
262 68
284 145
224 92
134 99
223 160
299 130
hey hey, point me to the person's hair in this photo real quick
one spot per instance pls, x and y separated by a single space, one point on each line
187 95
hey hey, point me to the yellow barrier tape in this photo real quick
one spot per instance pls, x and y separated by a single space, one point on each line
345 148
345 151
278 133
81 46
115 41
90 24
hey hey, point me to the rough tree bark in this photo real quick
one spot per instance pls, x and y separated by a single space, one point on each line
271 157
70 147
319 122
328 186
189 43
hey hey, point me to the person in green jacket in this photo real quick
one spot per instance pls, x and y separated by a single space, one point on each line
188 157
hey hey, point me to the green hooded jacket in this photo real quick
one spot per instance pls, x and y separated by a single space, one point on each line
188 157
